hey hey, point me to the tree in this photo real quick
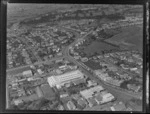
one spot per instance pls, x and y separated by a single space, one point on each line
36 105
103 52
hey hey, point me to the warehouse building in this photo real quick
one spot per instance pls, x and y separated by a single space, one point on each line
62 79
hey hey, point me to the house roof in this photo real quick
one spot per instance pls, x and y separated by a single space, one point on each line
119 107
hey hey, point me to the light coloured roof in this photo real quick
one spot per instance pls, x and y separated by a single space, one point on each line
89 92
64 78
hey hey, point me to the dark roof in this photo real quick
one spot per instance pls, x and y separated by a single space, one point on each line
78 81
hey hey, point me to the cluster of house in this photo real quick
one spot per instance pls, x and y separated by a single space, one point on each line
16 30
132 60
44 88
105 77
92 96
118 77
81 26
14 46
96 95
47 37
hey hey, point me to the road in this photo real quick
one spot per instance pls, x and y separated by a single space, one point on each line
116 91
36 63
107 86
77 35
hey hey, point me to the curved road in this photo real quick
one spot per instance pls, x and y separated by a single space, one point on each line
120 94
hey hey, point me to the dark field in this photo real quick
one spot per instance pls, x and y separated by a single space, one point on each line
130 37
98 47
93 65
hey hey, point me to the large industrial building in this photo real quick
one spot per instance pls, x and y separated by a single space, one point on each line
62 79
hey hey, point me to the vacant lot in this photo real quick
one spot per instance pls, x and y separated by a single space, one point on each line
98 47
93 65
130 38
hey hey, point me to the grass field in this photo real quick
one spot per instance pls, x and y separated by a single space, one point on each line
130 37
93 65
98 47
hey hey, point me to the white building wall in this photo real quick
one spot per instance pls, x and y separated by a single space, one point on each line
64 78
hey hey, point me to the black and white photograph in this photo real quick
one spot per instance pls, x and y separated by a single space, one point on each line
74 57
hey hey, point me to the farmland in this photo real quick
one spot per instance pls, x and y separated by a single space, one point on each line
130 38
98 47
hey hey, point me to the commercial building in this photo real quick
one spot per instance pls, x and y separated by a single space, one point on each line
118 107
107 98
90 92
133 87
27 73
60 80
112 81
101 74
91 83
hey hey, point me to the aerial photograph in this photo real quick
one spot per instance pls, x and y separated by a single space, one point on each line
74 57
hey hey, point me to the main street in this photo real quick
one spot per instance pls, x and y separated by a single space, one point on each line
119 93
105 85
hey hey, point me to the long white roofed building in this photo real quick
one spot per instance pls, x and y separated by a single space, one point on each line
62 79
